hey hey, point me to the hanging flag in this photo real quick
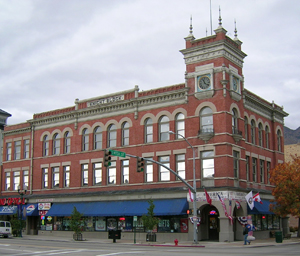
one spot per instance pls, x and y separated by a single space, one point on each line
256 198
230 216
223 205
249 199
237 204
208 199
191 196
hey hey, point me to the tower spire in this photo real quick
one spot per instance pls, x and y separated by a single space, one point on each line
220 19
235 30
190 36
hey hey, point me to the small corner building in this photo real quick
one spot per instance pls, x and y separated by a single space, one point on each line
237 137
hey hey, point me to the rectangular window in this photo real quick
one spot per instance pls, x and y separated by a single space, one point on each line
26 149
236 157
66 176
262 171
16 181
97 170
164 174
112 173
125 171
55 175
17 150
45 177
254 169
7 181
8 151
247 168
25 179
149 171
84 174
268 172
180 165
208 164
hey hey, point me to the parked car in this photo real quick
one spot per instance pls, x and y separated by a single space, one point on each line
5 228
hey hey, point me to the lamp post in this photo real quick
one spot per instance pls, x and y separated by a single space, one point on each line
21 192
194 186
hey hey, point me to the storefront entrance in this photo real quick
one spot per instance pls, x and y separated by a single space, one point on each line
213 226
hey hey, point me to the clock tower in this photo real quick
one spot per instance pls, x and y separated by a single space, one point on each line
214 65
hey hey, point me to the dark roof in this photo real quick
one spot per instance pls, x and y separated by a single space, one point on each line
2 112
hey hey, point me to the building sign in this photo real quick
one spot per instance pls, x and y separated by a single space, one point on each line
105 101
226 195
8 210
44 206
42 213
12 201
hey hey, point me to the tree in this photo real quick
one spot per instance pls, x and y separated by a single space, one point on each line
149 220
286 178
76 224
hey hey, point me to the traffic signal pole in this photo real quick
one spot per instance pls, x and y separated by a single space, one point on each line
193 189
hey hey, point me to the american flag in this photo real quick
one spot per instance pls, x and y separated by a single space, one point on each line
230 216
223 205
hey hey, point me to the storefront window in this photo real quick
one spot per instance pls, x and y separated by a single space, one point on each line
90 224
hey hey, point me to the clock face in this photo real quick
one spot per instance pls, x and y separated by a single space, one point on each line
204 82
234 84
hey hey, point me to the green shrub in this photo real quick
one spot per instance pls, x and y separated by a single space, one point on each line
292 229
296 228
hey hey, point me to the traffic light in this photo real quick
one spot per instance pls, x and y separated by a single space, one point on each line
189 211
140 164
107 158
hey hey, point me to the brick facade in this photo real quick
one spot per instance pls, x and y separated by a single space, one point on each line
218 58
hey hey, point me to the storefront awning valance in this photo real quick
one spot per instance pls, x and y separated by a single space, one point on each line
8 210
121 208
260 208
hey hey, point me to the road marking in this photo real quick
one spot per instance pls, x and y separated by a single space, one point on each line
118 253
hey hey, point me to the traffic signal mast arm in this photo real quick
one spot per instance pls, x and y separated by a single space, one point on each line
153 161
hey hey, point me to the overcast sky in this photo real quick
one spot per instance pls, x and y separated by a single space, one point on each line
54 51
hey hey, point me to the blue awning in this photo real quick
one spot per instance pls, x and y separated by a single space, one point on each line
31 210
260 208
121 208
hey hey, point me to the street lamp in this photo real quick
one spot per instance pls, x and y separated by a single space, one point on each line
21 192
194 186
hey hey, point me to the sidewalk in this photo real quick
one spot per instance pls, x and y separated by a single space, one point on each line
256 243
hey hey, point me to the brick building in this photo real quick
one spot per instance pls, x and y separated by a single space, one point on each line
236 135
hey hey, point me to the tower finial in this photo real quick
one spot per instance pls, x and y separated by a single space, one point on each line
190 36
220 19
191 25
235 30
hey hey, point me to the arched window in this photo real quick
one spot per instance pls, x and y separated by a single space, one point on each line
246 129
85 139
45 145
164 128
112 136
179 125
56 144
97 138
260 134
206 120
267 134
252 131
67 143
234 121
148 126
279 140
125 134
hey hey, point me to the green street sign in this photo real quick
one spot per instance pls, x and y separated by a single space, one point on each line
117 153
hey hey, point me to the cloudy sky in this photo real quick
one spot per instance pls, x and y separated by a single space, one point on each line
54 51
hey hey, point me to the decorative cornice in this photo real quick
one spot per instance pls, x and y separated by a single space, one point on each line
263 108
222 48
131 105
